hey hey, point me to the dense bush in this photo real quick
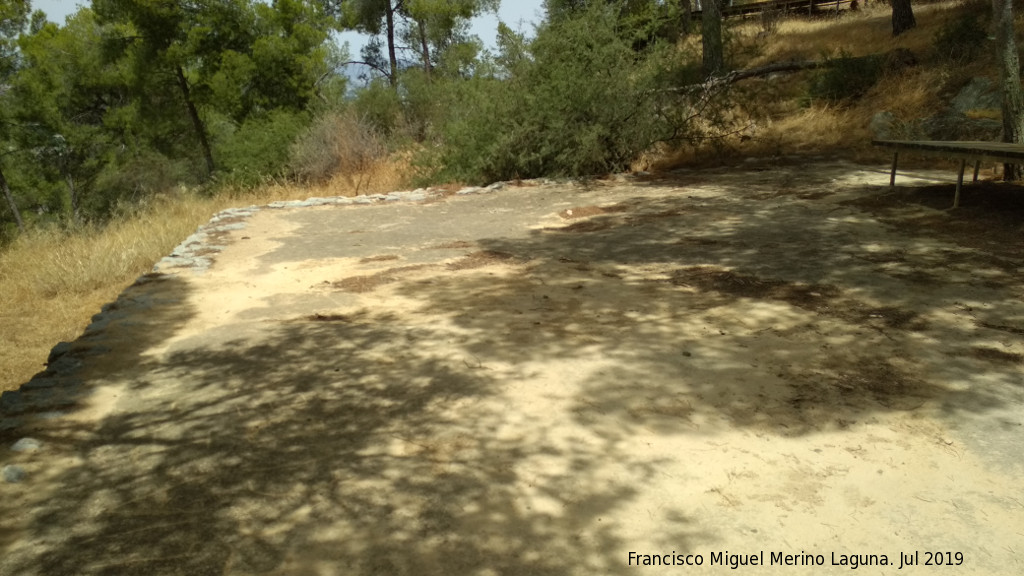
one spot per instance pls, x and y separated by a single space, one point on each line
260 148
578 100
845 77
962 38
133 177
380 105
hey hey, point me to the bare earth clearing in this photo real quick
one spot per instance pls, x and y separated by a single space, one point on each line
543 379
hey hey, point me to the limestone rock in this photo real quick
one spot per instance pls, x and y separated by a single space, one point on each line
882 125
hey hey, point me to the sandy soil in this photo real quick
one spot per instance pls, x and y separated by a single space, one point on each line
546 380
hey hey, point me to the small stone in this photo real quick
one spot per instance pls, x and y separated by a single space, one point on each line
27 445
13 474
59 350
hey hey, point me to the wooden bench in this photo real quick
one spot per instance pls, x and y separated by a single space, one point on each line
976 151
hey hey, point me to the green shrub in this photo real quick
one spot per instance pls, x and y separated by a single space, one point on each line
962 38
379 104
260 148
578 100
132 179
845 78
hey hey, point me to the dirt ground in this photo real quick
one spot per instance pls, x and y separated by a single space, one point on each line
547 379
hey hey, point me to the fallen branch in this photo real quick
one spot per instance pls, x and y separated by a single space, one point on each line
893 61
737 75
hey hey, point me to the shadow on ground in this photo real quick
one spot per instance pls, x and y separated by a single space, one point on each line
328 444
373 442
784 314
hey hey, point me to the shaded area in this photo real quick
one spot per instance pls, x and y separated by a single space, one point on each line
143 315
756 312
497 422
328 444
988 220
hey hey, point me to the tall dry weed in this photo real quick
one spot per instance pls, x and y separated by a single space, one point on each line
340 143
52 281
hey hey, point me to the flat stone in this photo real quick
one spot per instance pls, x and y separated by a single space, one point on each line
10 401
64 365
33 400
57 351
27 444
13 474
41 382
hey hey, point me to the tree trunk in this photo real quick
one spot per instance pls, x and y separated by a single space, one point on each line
1009 78
73 196
197 122
711 23
686 13
392 58
902 17
10 202
426 47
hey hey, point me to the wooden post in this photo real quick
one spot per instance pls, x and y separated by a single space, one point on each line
959 183
892 177
977 166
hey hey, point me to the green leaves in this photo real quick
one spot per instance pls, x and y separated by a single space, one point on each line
13 19
145 94
578 100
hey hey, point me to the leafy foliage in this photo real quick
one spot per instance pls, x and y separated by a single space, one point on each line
577 100
845 77
962 38
260 147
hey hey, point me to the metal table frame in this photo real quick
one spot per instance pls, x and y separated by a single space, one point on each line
964 151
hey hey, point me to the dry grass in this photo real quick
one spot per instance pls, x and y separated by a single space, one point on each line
783 123
866 31
52 281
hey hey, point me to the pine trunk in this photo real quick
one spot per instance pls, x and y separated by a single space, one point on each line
10 202
392 57
197 122
426 47
1009 77
76 213
711 33
686 14
902 17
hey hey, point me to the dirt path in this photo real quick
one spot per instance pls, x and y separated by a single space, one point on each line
545 379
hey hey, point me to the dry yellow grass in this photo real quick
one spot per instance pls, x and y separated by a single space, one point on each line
866 31
783 123
52 282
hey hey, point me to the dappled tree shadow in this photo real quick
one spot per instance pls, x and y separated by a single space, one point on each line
745 310
434 439
323 444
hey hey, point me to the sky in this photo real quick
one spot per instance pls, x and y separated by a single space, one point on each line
519 14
